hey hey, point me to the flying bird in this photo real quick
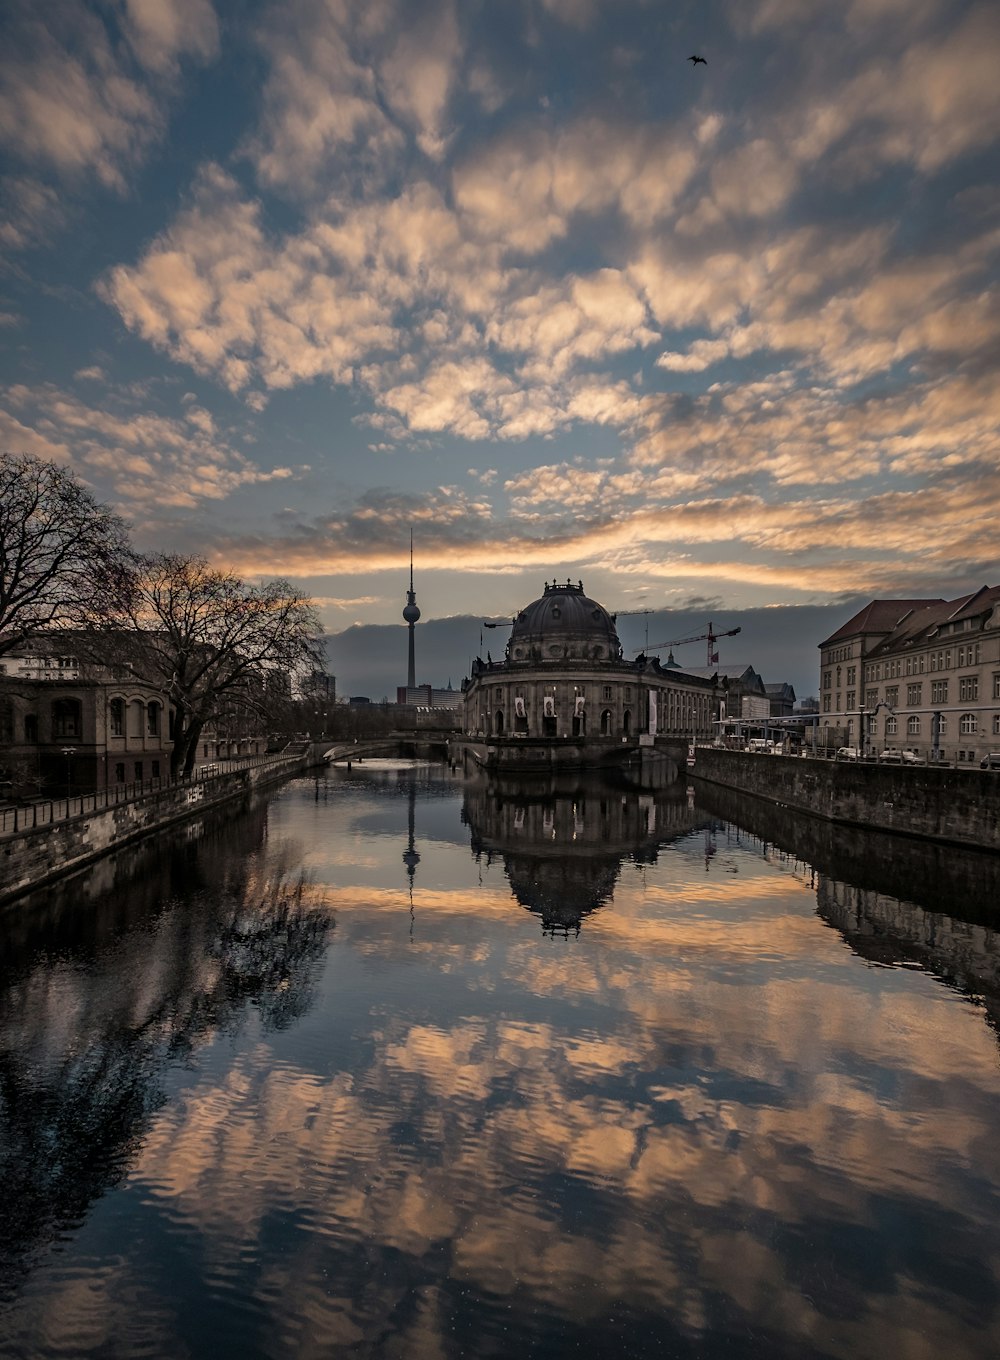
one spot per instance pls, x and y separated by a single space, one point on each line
695 60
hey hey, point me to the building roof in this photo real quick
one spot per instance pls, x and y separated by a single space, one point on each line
923 625
783 690
563 623
878 616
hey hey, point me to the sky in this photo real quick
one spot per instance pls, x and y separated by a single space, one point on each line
284 281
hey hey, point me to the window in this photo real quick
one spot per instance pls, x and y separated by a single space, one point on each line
968 688
939 691
890 727
31 727
6 720
943 725
498 693
996 686
913 726
156 769
913 693
826 679
892 696
152 719
871 698
996 724
968 725
851 698
116 713
826 703
66 718
138 771
852 674
609 695
120 773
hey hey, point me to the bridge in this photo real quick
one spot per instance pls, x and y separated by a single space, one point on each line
406 745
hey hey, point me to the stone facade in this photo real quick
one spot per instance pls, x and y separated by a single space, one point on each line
564 676
923 674
61 735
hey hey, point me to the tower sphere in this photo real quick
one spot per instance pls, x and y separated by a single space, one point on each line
411 612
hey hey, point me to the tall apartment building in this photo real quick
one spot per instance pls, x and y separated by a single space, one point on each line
917 673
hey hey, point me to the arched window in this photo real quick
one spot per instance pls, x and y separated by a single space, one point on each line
913 726
152 719
67 720
891 727
116 715
498 722
968 725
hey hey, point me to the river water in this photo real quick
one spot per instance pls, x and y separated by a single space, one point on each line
394 1063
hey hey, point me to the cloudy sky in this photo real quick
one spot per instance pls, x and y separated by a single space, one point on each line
283 280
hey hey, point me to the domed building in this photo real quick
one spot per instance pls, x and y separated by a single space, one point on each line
565 694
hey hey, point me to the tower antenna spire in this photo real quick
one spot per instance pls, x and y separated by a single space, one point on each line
411 613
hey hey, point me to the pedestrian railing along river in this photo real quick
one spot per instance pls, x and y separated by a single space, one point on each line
28 816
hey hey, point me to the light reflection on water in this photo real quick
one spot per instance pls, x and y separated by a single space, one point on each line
399 1065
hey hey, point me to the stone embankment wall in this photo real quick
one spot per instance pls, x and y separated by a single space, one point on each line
959 807
33 857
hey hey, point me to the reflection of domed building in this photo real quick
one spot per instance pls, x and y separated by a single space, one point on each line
563 847
566 695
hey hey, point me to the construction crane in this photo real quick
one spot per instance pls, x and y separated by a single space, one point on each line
626 613
711 637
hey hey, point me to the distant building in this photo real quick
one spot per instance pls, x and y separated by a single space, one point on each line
782 699
745 694
917 673
425 696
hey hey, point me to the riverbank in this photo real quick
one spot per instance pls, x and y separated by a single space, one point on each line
33 856
949 806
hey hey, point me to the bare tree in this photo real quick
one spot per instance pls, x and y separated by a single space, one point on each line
58 547
217 645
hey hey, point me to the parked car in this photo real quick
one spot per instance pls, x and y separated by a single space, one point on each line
991 761
892 755
848 753
760 746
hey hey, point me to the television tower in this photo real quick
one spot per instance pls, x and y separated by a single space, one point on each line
411 613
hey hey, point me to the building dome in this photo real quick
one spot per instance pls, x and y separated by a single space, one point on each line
564 624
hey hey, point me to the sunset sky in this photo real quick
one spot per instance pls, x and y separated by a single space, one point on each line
283 280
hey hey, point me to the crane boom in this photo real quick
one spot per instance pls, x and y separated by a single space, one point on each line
711 637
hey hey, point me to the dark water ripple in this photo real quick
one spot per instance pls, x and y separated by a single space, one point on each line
402 1066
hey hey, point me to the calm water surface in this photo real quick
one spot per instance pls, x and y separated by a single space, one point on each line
396 1064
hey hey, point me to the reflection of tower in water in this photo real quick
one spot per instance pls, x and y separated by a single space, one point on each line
411 857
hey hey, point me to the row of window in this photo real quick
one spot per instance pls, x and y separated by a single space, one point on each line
970 655
968 722
968 725
608 693
67 720
137 771
145 717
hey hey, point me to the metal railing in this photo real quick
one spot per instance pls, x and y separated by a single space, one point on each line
28 816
